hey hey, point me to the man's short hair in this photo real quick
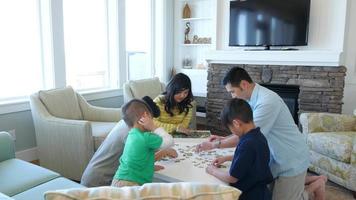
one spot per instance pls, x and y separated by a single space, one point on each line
235 75
133 110
236 109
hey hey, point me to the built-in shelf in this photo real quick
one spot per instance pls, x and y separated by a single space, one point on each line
197 19
192 45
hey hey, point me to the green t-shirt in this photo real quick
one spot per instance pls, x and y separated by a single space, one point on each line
137 160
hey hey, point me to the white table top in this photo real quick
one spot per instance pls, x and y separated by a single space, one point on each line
190 166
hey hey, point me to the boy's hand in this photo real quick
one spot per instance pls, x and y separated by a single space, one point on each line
218 161
171 153
147 122
158 167
210 169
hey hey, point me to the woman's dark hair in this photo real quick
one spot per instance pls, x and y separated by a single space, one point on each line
235 76
236 109
178 83
155 109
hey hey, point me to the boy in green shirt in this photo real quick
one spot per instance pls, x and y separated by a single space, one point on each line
137 161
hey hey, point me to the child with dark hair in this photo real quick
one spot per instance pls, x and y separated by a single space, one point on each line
175 105
249 171
104 163
144 139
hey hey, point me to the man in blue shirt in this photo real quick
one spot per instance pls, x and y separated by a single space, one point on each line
288 148
249 170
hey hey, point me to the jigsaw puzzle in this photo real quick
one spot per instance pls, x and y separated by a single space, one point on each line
200 160
193 134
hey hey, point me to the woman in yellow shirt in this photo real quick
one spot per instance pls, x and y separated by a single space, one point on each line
175 105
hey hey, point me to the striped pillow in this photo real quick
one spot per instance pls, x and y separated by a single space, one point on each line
181 190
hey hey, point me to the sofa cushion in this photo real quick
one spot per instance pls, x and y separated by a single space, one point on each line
146 87
55 184
18 176
100 130
336 145
181 190
62 103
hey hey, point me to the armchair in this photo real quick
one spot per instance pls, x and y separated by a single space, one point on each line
151 87
69 129
332 144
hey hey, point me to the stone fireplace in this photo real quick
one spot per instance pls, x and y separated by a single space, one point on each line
320 88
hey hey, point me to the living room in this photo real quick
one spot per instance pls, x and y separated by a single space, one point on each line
108 43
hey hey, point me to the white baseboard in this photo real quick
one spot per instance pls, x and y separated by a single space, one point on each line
28 154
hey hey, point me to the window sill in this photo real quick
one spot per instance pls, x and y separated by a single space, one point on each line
21 105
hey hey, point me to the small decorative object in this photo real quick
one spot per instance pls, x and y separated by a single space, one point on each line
200 66
195 39
186 32
200 40
186 11
187 63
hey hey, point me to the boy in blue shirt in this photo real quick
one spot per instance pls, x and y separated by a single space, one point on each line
249 171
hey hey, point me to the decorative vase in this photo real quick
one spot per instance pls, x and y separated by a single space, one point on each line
186 11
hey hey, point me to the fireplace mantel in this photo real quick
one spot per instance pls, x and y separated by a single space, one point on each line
276 57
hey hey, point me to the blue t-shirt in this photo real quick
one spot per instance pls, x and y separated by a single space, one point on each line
250 166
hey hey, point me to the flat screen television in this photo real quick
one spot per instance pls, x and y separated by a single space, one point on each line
269 23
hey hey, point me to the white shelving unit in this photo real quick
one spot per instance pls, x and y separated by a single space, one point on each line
203 24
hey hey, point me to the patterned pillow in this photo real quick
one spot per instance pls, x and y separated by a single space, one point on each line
181 190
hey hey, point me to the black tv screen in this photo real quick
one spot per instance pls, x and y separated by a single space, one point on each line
269 22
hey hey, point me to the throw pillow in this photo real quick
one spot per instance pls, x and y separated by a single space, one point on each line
181 190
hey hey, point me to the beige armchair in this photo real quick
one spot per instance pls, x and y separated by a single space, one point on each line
151 87
69 129
332 145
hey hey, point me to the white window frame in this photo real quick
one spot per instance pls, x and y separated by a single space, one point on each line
55 68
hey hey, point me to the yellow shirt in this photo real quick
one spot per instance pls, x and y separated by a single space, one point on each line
168 122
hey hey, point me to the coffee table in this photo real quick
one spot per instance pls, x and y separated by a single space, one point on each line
190 166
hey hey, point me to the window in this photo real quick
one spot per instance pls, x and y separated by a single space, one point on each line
85 24
139 39
20 49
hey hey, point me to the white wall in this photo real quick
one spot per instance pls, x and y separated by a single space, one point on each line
350 60
326 25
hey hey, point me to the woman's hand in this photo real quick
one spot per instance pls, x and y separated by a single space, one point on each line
181 129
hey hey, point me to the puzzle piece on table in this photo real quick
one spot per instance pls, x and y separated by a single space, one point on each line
199 160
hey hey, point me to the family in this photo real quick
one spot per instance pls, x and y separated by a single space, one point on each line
271 156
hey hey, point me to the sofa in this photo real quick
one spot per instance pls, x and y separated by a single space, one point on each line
22 180
69 130
332 145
